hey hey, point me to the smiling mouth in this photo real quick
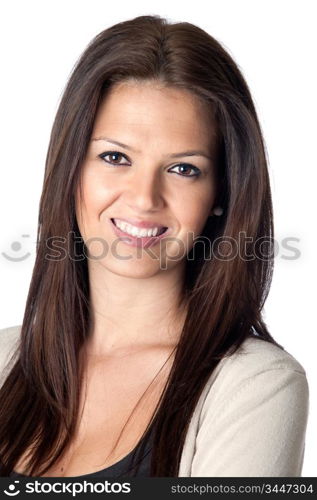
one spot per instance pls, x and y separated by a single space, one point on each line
135 232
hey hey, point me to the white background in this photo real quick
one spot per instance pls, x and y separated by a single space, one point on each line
273 42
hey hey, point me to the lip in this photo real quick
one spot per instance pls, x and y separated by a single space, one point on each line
135 241
141 223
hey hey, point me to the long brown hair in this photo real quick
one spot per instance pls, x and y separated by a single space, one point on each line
40 396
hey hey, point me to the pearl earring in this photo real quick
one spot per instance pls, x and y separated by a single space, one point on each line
218 211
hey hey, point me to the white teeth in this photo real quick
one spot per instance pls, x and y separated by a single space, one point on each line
135 231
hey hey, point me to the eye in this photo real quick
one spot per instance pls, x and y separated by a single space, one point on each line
113 157
187 167
116 155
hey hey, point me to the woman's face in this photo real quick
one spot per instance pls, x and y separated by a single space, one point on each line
162 173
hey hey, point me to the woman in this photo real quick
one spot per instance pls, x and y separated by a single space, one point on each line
142 349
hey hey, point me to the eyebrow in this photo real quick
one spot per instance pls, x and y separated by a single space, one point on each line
173 155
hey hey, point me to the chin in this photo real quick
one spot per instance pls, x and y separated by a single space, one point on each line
138 269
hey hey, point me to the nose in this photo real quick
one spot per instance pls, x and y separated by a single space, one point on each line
143 192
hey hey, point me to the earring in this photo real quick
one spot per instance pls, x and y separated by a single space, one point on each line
217 211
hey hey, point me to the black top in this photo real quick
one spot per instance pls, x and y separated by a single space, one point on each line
123 468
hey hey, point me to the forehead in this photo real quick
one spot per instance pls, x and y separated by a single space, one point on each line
150 110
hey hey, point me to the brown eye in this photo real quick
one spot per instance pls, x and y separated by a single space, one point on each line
114 157
185 169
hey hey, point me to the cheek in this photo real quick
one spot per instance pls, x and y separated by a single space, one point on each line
195 207
195 220
97 197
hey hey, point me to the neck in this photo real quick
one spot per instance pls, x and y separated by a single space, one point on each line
130 313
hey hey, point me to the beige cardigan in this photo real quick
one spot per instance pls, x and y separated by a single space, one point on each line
250 420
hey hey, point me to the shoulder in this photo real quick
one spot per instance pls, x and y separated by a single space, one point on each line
256 354
9 340
252 359
255 407
260 367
